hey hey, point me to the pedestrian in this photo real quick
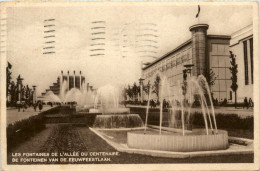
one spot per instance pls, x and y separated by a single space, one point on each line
245 103
251 104
18 104
24 106
40 106
35 107
216 101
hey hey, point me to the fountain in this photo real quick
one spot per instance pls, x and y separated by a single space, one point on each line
113 114
83 98
182 140
107 101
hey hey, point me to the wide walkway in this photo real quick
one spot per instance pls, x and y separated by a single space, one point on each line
219 110
12 114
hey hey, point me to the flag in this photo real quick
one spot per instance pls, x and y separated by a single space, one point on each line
198 11
9 65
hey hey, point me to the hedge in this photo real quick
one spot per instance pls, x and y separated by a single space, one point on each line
224 121
22 130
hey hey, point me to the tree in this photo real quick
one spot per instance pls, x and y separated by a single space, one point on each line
13 93
146 88
136 90
8 79
156 86
210 76
129 92
184 86
234 71
27 94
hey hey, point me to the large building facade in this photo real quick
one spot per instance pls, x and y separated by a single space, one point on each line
241 45
205 53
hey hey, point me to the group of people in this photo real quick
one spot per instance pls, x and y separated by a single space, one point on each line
248 103
22 105
39 105
165 104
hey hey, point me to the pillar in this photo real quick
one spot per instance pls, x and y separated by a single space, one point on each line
80 80
34 94
74 80
19 85
61 81
199 42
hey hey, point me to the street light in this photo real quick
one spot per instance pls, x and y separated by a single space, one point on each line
141 88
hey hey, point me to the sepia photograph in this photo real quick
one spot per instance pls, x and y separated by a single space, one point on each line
158 85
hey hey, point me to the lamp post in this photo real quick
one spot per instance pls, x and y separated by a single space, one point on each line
19 85
141 88
74 79
34 94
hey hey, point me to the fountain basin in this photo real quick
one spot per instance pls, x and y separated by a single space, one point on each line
194 141
108 111
118 121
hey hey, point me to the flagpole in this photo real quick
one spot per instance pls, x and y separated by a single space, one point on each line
198 14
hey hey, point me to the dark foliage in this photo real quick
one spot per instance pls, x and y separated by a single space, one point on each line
224 121
23 130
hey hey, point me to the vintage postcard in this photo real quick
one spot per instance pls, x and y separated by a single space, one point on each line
129 85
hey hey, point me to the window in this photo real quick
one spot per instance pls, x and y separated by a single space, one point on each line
245 62
221 49
252 60
214 61
221 73
228 73
222 61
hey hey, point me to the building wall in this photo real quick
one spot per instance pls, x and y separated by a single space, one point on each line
171 68
219 63
205 52
240 46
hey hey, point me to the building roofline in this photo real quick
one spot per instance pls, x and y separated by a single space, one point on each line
237 32
219 36
168 54
182 45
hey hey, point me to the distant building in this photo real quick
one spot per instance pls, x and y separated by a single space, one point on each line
75 81
241 44
205 52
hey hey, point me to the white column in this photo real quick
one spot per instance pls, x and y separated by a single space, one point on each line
61 81
80 80
68 80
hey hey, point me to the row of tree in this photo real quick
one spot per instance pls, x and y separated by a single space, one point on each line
12 90
134 91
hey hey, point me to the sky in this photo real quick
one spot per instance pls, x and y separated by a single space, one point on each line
124 25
